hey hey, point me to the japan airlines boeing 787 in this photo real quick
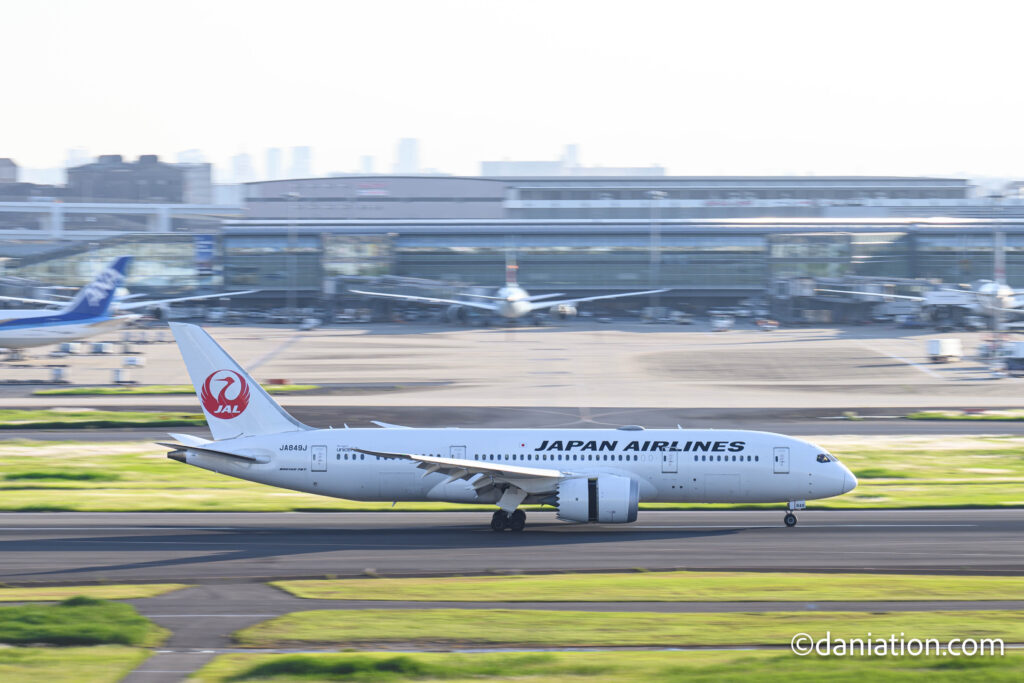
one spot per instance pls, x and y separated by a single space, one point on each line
588 475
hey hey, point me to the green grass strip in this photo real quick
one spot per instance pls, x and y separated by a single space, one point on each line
961 472
127 591
98 664
92 419
665 587
78 621
951 415
547 628
606 667
157 389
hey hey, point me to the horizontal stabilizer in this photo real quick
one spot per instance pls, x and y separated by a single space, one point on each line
388 425
181 448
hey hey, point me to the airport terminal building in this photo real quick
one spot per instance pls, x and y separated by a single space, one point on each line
709 239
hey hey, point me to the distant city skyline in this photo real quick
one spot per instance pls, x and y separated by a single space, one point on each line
742 87
245 167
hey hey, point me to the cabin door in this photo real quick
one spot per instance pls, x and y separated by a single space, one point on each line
319 454
781 462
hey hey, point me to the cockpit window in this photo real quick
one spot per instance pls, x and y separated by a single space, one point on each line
825 457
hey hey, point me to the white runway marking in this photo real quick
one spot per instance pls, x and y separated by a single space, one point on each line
805 526
125 528
271 354
206 616
916 366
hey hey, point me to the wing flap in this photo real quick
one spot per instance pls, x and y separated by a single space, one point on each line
426 299
156 302
467 468
534 305
878 294
45 302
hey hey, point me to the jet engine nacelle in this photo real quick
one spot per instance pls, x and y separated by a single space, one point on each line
607 499
456 314
564 311
161 312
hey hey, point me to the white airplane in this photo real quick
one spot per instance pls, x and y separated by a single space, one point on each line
510 302
588 475
93 310
985 297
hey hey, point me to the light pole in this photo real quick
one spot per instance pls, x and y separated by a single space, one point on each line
292 280
655 245
999 269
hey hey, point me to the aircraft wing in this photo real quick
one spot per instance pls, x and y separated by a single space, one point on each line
427 299
547 304
878 294
44 302
538 297
156 302
460 468
483 296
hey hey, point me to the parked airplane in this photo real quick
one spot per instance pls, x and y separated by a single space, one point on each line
984 297
588 475
93 310
509 302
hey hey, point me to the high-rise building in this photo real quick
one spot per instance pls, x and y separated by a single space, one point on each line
568 165
366 164
8 171
191 156
77 156
407 157
274 163
302 162
112 179
242 170
197 180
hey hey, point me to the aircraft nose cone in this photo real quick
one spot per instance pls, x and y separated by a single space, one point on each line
849 482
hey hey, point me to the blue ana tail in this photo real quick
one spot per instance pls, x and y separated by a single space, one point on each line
94 299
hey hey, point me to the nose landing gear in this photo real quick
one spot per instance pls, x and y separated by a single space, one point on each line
790 518
501 520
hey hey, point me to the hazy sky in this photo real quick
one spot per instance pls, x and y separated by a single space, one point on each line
699 87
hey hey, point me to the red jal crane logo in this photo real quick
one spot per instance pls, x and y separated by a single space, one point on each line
231 397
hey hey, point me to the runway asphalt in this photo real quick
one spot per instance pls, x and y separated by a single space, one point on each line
67 548
803 423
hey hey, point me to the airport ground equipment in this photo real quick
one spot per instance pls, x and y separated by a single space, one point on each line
945 350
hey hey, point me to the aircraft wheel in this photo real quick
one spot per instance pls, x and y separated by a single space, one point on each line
499 520
517 520
789 519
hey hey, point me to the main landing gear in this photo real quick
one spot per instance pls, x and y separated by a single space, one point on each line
501 520
790 518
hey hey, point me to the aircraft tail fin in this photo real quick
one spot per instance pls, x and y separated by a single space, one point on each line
233 402
511 269
94 299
